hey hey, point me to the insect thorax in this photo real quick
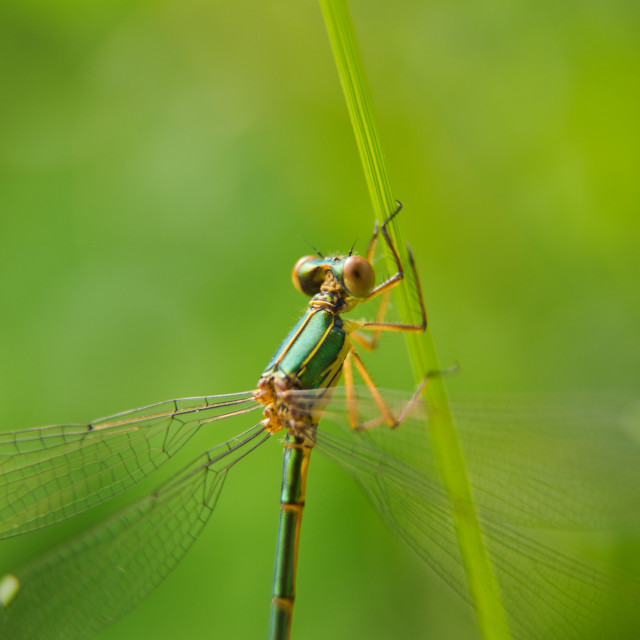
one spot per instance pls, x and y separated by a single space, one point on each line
282 410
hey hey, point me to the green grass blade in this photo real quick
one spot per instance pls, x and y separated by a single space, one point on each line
483 587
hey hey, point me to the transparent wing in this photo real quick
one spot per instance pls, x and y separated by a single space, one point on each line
541 477
568 465
88 583
50 473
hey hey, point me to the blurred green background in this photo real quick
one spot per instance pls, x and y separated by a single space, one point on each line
162 167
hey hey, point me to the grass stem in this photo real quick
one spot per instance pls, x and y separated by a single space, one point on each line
483 586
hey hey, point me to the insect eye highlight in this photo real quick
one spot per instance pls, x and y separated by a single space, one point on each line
308 275
359 276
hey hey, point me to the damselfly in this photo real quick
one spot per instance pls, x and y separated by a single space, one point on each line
81 587
53 472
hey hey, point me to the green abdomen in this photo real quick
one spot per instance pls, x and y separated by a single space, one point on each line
313 352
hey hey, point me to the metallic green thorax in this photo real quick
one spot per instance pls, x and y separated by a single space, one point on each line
313 351
311 357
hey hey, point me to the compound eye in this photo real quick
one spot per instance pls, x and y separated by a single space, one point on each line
358 276
308 275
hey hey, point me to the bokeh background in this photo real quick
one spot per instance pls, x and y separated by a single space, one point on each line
164 164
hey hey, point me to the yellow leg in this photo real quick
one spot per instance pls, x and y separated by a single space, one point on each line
371 342
376 326
386 286
373 390
386 413
376 230
352 403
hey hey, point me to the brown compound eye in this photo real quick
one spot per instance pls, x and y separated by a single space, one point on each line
358 276
308 275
